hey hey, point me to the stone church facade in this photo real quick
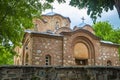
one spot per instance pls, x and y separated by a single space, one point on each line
53 42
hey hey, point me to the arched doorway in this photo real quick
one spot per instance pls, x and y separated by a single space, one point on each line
83 51
81 54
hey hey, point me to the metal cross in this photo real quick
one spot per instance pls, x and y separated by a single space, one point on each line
83 19
52 8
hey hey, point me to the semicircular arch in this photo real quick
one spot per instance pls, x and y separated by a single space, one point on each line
83 49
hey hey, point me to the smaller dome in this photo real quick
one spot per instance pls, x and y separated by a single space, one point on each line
81 25
85 27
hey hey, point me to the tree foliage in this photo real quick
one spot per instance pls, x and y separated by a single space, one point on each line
96 7
6 56
105 31
15 17
116 36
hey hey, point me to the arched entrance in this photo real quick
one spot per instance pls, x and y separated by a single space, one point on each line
81 54
83 51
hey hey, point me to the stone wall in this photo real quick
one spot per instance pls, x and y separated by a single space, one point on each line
108 53
47 45
59 73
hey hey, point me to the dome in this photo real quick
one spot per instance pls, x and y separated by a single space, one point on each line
81 25
54 13
85 27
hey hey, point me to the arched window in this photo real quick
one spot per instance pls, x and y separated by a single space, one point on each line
47 60
109 63
57 25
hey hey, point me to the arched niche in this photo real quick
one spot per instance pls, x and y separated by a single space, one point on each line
80 51
83 51
26 59
39 25
57 22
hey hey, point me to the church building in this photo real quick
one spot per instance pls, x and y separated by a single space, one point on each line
52 42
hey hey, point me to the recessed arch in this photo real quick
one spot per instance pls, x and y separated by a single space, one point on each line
26 59
57 22
80 51
83 50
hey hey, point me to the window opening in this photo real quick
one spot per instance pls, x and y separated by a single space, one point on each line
48 60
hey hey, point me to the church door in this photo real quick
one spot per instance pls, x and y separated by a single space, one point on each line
81 54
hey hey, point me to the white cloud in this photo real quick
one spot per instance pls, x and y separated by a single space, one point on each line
76 14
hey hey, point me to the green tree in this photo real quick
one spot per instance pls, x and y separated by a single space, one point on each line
15 17
105 31
116 36
96 7
6 57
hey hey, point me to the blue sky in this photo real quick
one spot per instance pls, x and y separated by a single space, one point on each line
76 14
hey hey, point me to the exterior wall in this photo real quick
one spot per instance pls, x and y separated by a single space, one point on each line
46 45
71 39
68 57
108 52
61 50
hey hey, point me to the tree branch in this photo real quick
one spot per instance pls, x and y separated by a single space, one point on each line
117 5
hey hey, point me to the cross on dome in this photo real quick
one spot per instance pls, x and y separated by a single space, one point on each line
52 8
83 19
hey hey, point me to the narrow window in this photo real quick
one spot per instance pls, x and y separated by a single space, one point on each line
48 60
